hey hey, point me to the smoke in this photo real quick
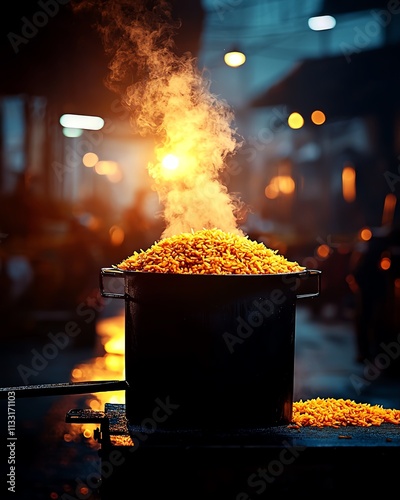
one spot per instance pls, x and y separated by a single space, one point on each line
170 99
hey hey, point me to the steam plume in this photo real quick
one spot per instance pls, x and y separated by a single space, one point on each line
170 99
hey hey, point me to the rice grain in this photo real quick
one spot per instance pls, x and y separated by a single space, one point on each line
332 412
209 251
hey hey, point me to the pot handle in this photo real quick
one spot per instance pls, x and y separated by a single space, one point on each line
310 280
110 272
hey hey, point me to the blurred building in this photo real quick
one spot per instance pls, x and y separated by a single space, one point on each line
310 186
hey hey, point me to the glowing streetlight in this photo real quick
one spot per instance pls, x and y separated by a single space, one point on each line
234 58
321 23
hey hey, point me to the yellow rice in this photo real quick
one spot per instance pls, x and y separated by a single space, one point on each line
209 251
332 412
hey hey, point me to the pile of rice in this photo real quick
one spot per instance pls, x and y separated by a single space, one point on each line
332 412
209 251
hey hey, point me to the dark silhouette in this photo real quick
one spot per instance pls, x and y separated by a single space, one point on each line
377 291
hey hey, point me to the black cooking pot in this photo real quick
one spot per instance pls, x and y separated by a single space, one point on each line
210 351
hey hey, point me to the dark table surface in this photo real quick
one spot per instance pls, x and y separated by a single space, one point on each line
385 435
243 464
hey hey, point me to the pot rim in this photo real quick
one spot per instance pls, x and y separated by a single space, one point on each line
114 272
304 272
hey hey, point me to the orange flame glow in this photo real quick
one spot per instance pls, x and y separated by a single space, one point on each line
110 366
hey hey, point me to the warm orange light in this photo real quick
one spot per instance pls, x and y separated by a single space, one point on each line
115 177
349 184
271 192
350 280
117 235
94 223
99 363
388 209
111 327
76 373
280 184
87 433
114 362
365 234
95 404
285 183
295 120
385 263
104 167
318 117
115 345
110 366
90 159
323 251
